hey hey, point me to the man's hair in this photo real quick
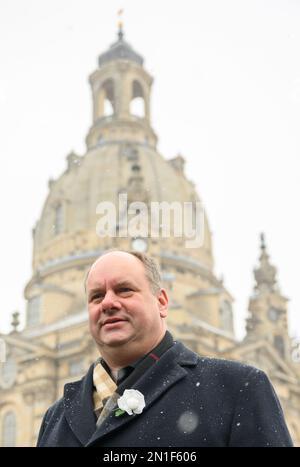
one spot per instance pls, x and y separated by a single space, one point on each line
151 270
150 265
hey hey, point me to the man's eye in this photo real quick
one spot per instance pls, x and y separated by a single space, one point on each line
125 290
96 297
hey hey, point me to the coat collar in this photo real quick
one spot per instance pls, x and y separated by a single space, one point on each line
79 407
78 401
159 378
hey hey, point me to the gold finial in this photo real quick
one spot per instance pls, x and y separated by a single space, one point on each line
120 23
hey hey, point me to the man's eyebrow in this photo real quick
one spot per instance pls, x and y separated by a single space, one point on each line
124 283
118 284
97 289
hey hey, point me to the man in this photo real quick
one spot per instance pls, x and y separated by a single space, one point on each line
176 398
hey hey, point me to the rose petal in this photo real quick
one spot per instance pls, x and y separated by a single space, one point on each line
126 401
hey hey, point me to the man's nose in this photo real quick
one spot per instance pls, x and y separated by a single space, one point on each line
110 301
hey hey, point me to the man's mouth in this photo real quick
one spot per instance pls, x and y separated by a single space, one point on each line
112 321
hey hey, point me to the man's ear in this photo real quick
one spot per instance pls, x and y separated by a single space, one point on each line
163 302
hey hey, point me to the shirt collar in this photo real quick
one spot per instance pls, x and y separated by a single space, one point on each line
122 374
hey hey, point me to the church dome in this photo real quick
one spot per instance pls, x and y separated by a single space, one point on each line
69 218
121 162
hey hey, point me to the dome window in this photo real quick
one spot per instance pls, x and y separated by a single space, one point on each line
108 96
105 100
137 103
136 168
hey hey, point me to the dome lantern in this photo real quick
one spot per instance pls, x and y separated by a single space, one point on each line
121 89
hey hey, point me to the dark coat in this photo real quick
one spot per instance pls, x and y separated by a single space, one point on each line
190 402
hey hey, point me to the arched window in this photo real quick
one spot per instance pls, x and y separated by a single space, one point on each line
226 316
9 431
137 103
108 98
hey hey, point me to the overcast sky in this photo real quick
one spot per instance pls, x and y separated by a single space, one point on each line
226 95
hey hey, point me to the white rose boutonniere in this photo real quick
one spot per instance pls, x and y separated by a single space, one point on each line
132 401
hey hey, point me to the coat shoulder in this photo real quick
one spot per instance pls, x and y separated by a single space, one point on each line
58 406
227 366
218 368
55 408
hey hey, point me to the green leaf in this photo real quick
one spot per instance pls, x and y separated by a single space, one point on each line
119 412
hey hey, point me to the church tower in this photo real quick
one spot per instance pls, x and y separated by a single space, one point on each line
268 308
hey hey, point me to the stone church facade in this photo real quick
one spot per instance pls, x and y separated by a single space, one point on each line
122 159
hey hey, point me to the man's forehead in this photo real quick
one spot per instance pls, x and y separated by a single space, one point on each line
115 269
117 258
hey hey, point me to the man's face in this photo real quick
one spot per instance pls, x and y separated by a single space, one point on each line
122 308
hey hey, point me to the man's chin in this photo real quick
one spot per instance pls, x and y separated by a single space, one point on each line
115 340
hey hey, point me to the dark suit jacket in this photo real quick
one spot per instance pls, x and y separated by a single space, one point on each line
190 402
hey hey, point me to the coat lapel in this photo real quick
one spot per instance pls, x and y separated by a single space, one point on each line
79 409
155 381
